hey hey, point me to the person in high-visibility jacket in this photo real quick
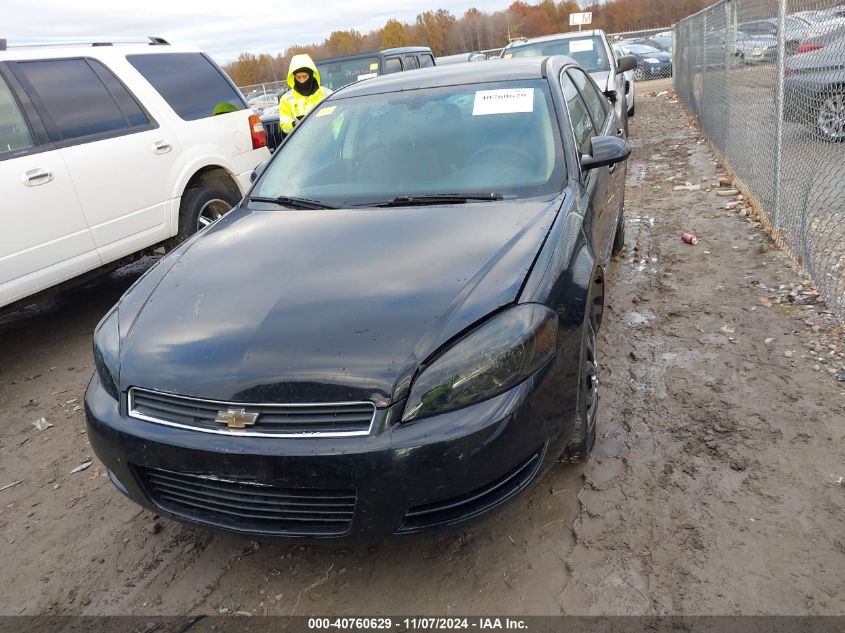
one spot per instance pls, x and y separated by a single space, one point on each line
305 92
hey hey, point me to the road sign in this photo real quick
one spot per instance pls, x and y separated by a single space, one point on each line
577 19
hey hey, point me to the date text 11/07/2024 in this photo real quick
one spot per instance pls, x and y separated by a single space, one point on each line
416 624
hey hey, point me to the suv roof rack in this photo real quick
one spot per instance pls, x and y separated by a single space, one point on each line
152 40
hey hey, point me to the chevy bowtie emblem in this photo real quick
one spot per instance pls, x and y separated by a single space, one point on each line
236 418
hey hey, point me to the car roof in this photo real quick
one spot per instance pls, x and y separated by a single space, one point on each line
559 36
450 75
386 51
100 51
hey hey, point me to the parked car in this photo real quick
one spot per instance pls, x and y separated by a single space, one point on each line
630 88
337 72
408 339
108 150
265 102
651 62
661 41
590 49
814 90
460 58
797 28
820 38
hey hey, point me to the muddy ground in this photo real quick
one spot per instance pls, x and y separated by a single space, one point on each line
715 485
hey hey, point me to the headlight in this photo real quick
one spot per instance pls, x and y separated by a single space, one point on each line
652 60
107 352
497 356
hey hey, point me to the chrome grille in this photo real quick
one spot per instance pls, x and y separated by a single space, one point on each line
247 506
274 420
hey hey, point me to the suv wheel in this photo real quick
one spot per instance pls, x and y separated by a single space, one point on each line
200 207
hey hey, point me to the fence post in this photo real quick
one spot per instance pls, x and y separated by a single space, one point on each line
781 65
730 47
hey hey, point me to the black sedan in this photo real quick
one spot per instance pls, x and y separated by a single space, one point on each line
394 330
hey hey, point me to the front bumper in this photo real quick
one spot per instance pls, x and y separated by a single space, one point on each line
400 478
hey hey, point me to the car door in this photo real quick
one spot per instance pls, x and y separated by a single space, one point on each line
594 181
605 123
410 62
122 161
45 238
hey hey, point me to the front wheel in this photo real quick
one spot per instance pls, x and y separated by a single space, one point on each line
584 436
200 207
639 73
830 117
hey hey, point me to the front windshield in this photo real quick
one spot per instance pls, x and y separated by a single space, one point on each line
488 138
336 75
589 52
640 49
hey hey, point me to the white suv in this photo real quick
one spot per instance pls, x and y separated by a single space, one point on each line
110 149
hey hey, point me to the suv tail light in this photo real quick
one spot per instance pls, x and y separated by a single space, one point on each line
806 48
256 131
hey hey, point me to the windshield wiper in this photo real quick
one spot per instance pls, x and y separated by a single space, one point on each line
436 198
293 202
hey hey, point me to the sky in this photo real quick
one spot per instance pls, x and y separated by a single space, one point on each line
223 28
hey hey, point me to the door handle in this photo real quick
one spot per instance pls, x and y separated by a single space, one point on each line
37 176
161 147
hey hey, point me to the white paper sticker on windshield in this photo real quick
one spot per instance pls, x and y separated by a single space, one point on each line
580 46
503 101
325 111
367 76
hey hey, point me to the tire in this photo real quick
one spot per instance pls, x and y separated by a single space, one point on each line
830 116
200 206
624 117
639 73
619 236
584 435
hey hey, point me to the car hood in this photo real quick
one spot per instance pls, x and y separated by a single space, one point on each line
661 55
329 305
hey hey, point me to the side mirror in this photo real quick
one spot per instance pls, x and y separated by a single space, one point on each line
626 63
259 169
607 150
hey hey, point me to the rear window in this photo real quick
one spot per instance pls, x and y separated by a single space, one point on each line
190 83
338 74
588 51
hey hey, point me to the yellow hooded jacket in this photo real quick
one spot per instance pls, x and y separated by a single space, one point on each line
292 104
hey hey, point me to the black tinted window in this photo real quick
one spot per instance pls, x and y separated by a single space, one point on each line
76 98
426 61
582 124
193 86
392 65
596 102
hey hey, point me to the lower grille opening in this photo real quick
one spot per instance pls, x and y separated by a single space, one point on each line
242 505
473 503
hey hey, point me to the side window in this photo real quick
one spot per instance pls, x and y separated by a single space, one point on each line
597 104
582 124
81 97
392 65
14 133
190 83
411 62
426 61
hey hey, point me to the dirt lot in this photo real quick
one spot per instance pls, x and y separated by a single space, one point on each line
715 485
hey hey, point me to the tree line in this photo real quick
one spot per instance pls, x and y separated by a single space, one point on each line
475 30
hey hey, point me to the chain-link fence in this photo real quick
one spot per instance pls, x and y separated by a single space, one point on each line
766 80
